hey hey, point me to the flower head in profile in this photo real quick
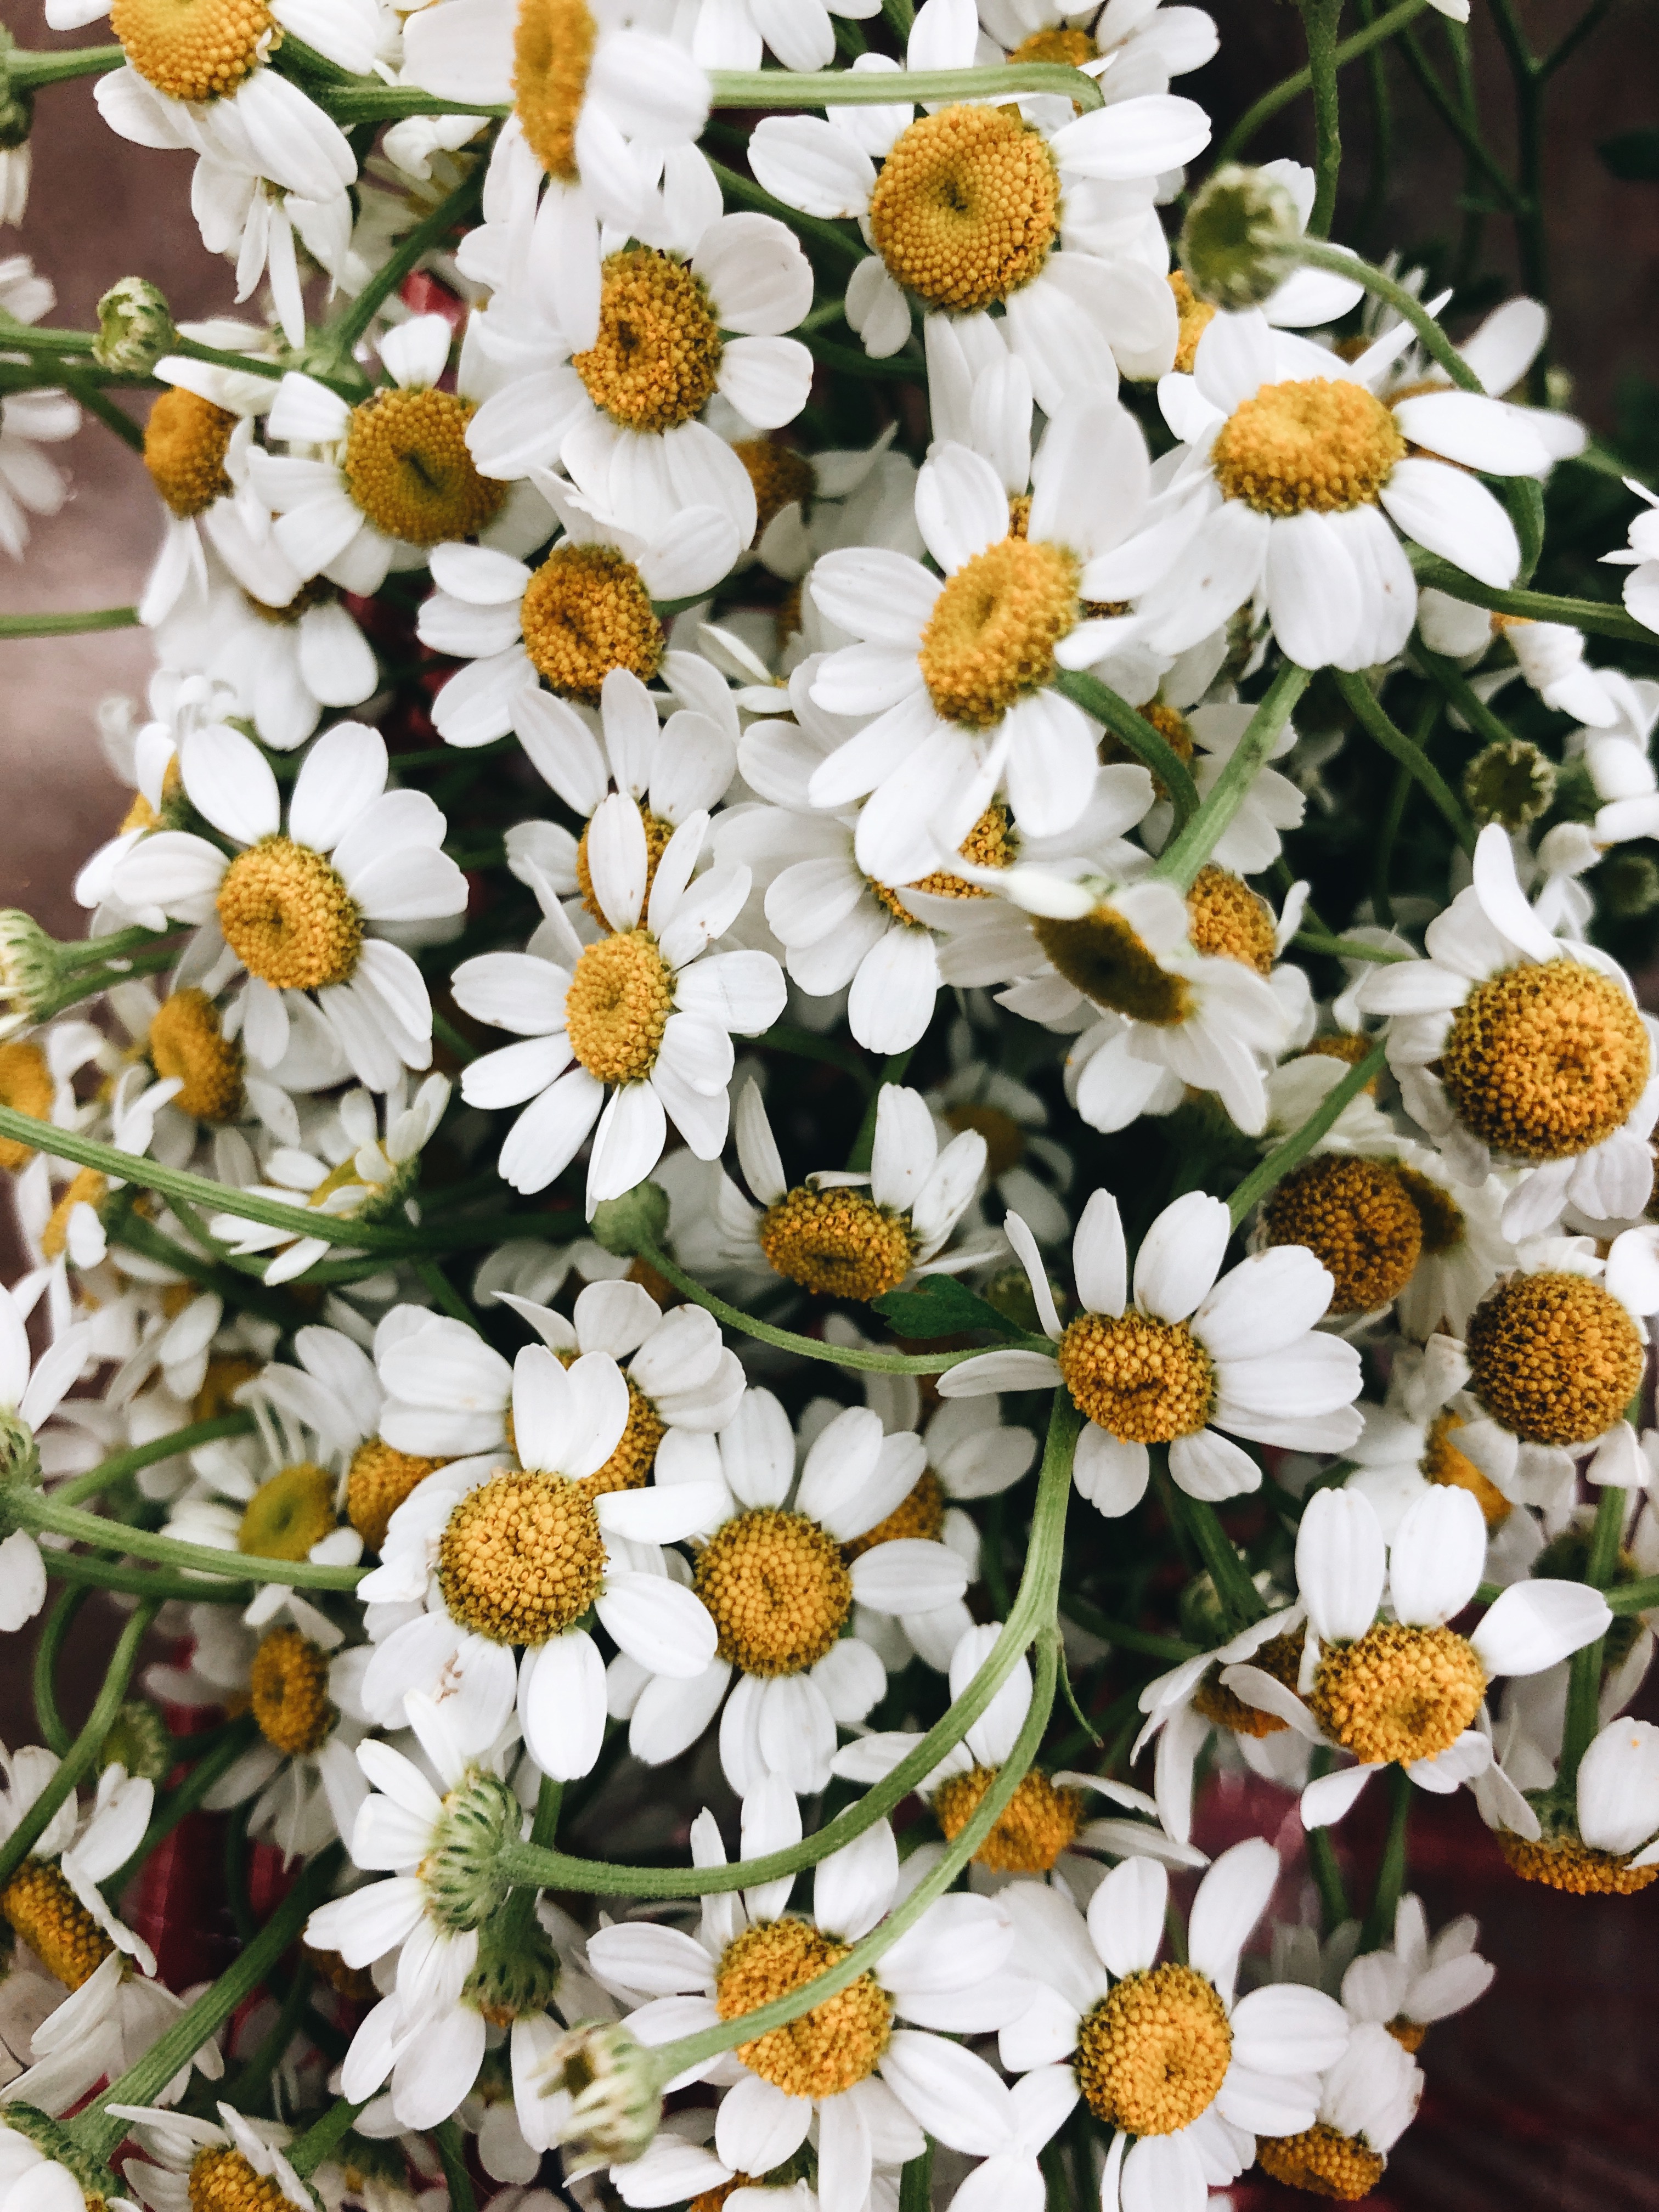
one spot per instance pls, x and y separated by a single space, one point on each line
1367 2101
1602 1837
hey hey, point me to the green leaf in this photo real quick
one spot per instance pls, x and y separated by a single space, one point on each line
940 1306
1633 155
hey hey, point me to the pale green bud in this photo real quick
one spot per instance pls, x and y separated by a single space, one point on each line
605 2093
1510 782
135 329
626 1225
1238 242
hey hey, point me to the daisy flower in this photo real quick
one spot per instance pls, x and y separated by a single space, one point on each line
1367 2101
1079 275
1134 49
477 1564
1606 1840
869 2086
283 665
1189 1707
1206 737
381 485
29 483
239 2159
33 2179
646 1013
1641 557
845 1234
309 900
109 2020
1416 1982
30 1393
54 1901
1403 1688
1411 1444
1294 470
957 675
1515 1048
1190 1361
1186 2073
779 1570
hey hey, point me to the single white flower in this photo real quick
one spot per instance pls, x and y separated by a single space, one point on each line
29 483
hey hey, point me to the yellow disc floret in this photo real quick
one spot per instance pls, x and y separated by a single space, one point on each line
585 613
1440 1217
827 2050
1279 1656
521 1558
617 1007
991 843
222 2180
27 1087
287 1515
185 441
1068 44
377 1482
777 1589
288 1691
1317 446
838 1243
1565 1863
1143 1381
1546 1062
629 1466
1554 1357
920 1513
39 1905
194 50
657 356
1005 1140
288 918
1452 1469
967 207
407 466
1399 1693
1356 1219
1227 920
1033 1828
992 634
1152 2054
657 835
553 47
1101 956
780 476
186 1042
227 1371
1323 2162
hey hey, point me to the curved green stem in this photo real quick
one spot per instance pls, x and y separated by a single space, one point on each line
1435 344
1319 19
1598 616
1296 1146
122 1463
1131 730
30 1509
1391 1875
1368 713
1182 859
320 2138
1584 1668
59 1622
32 70
1292 87
343 333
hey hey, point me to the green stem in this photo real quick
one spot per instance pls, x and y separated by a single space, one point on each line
79 1568
781 88
451 2149
1468 703
314 2147
1598 616
864 1144
112 417
1181 860
59 1622
30 1509
343 334
1333 1907
1567 46
1634 1597
32 70
445 1295
1456 122
1169 1649
916 2180
1131 730
807 1044
83 1753
1435 344
1584 1668
1368 713
122 1463
1240 1601
68 625
1319 19
1292 87
1296 1146
1344 948
1391 1875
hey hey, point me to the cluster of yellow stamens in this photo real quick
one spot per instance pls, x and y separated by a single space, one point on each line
1143 1381
186 1042
378 1481
1398 1693
1318 446
1033 1828
1195 316
1227 922
407 468
39 1905
1546 1062
553 45
780 476
828 2049
1169 722
991 843
1323 2162
222 2180
227 1371
287 1515
617 1007
1439 1215
25 1086
288 918
287 1693
657 357
1279 1656
1565 1863
1452 1469
1554 1357
777 1589
185 441
521 1558
1152 2054
194 49
586 611
920 1513
967 207
992 634
657 835
1358 1220
1101 955
86 1187
838 1243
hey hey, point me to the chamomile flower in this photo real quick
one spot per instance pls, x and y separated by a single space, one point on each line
310 900
1403 1688
197 442
53 1900
225 2162
30 1393
1367 2101
29 483
1187 1707
105 2025
1190 1361
779 1570
1606 1842
1188 2072
646 1014
1143 47
283 665
1415 1982
1641 557
843 1233
1516 1049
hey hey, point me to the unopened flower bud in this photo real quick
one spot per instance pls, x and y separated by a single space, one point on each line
461 1872
1237 244
135 329
29 974
626 1225
1510 782
605 2096
20 1460
138 1741
1630 884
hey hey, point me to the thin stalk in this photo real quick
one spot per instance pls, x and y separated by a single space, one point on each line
22 69
1391 1875
1634 1597
916 2180
315 2146
53 1636
1290 88
1300 1142
1181 860
68 625
1368 713
78 1568
1169 1649
82 388
1474 149
1382 151
81 1754
1598 616
1584 1668
343 333
29 1509
1345 948
864 1144
1462 695
1381 900
123 1464
1319 19
1333 1907
1150 746
779 88
1567 46
451 2149
445 1295
1411 309
1240 1601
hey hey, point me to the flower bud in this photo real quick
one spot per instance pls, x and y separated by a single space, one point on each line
605 2096
460 1873
626 1224
135 329
1238 242
29 970
1630 884
138 1742
1510 782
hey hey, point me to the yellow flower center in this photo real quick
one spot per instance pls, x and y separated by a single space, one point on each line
1279 1656
1171 725
39 1905
1145 1382
87 1188
1228 922
827 2050
991 843
222 2180
195 49
288 1514
1347 1046
1066 43
777 1590
1440 1217
1547 1061
1444 1464
1410 2034
185 1041
1321 445
920 1513
1356 1219
586 611
657 835
227 1371
185 441
1399 1693
1196 315
288 917
522 1559
967 207
1554 1358
1101 955
1152 2054
377 1483
1323 2162
629 1466
655 361
407 468
1033 1828
552 52
617 1007
838 1243
25 1086
780 476
1005 1140
992 635
1565 1863
287 1689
